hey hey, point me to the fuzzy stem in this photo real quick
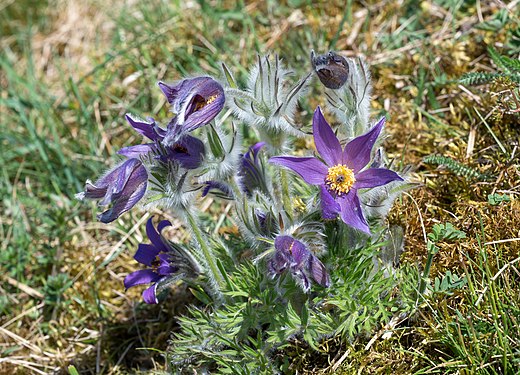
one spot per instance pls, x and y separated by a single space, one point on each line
217 276
286 197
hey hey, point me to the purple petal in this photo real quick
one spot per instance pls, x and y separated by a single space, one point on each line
195 102
112 182
310 169
170 91
149 295
137 151
167 270
278 263
356 154
140 277
223 189
94 192
326 142
163 224
128 190
303 280
251 172
155 237
188 151
283 243
318 271
329 207
375 177
117 178
148 129
351 212
253 151
299 252
146 254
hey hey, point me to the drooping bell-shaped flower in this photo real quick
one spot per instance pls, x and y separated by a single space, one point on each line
293 256
164 261
342 172
123 187
331 68
194 101
187 150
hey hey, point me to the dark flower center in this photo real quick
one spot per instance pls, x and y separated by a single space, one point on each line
180 149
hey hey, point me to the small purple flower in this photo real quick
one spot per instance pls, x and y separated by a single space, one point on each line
340 175
195 102
187 150
123 186
290 254
158 256
251 172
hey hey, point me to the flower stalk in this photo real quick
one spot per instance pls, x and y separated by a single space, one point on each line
208 256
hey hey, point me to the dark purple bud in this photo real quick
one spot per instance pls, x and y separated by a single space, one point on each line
123 187
331 68
251 172
195 102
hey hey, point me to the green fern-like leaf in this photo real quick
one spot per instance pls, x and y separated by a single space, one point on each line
455 167
504 63
478 78
497 58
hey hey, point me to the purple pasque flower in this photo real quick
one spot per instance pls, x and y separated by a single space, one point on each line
195 102
158 256
292 255
187 150
123 186
251 172
340 173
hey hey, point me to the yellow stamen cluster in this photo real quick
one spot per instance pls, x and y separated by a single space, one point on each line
340 179
211 99
201 104
291 248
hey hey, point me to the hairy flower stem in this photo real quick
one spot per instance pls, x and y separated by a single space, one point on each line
210 258
286 197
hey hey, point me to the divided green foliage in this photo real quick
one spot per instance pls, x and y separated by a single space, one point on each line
440 232
509 68
496 199
255 330
455 167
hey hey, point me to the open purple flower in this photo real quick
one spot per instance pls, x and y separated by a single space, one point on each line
158 257
290 254
123 186
340 175
187 150
195 102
